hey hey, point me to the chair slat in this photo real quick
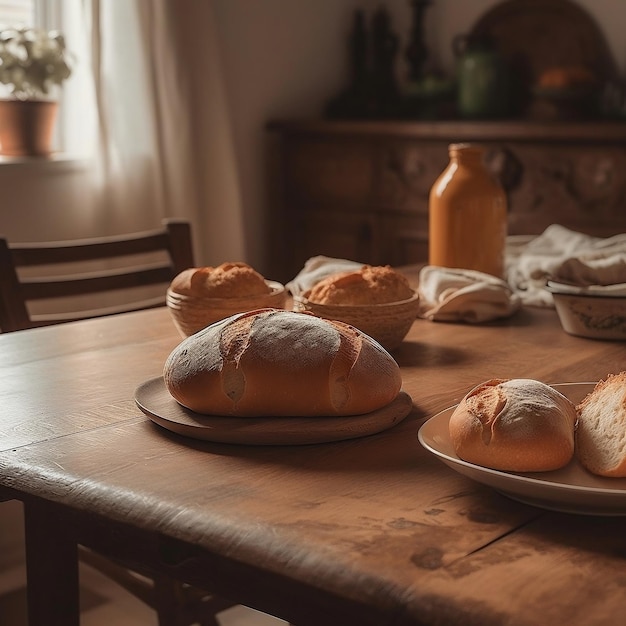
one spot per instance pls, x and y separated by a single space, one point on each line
26 255
58 318
42 288
17 290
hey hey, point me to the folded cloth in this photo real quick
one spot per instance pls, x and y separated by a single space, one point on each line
563 255
595 268
315 269
458 295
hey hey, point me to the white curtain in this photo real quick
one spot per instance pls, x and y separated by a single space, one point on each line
147 107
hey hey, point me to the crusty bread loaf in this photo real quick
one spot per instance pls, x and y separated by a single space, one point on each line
271 362
601 429
518 425
367 285
228 280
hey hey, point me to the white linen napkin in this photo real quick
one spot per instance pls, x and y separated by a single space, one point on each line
315 269
459 295
563 255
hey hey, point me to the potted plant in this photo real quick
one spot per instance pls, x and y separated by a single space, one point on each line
33 64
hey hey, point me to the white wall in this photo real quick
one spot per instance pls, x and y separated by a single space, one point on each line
282 58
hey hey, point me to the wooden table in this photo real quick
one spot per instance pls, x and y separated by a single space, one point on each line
371 531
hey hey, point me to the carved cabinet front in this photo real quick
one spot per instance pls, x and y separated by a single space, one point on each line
360 190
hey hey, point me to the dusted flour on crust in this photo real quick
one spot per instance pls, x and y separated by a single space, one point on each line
368 285
519 425
228 280
281 363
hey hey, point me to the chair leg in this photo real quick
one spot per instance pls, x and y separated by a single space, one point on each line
175 603
167 602
51 568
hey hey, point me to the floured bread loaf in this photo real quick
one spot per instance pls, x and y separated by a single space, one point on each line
368 285
271 362
601 430
518 425
228 280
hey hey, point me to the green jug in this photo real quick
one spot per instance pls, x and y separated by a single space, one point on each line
482 79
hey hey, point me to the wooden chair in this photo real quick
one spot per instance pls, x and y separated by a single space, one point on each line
117 270
120 265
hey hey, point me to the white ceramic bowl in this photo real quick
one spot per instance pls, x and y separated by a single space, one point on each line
598 313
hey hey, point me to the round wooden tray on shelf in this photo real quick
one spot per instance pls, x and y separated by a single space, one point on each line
536 35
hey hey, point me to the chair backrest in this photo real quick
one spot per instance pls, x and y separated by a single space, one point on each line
103 270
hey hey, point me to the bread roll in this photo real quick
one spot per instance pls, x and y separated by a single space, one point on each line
601 430
281 363
228 280
367 285
518 425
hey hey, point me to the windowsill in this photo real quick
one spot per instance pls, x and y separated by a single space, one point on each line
56 161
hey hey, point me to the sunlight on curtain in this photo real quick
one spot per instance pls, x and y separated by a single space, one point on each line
146 106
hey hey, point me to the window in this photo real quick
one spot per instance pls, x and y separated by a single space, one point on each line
14 12
75 104
42 13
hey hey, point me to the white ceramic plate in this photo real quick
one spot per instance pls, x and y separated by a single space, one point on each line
571 489
153 398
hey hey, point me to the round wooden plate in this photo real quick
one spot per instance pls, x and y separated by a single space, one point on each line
153 398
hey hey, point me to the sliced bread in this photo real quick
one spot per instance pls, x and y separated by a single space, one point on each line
601 429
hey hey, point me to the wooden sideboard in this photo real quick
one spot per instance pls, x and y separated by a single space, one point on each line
359 190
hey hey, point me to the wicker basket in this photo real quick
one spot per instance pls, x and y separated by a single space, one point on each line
191 313
387 323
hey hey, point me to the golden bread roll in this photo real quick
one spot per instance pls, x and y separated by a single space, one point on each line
601 429
272 362
228 280
368 285
518 425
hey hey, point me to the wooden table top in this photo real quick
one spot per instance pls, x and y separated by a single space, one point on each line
373 530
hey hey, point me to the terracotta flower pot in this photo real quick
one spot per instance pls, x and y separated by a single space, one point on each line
27 127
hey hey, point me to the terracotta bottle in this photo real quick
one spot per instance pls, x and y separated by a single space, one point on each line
467 214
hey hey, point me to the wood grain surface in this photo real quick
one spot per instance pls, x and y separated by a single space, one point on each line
373 530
